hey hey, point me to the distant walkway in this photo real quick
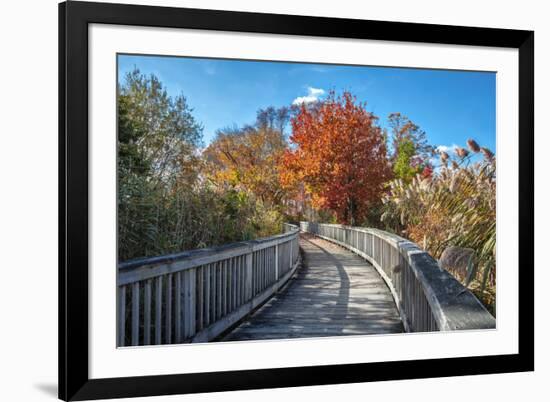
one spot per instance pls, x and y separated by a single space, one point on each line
335 292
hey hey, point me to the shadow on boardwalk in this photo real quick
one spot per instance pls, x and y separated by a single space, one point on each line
335 292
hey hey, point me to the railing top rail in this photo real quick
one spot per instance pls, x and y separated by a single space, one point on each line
143 268
393 238
452 304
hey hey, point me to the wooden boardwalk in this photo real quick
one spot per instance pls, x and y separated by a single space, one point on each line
335 292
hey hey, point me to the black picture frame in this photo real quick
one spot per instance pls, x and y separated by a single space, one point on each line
74 18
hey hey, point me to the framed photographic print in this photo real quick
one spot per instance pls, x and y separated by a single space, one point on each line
258 200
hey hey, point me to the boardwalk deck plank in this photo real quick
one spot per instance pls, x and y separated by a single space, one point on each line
335 293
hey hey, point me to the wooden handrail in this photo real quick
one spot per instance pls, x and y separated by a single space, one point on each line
428 297
196 295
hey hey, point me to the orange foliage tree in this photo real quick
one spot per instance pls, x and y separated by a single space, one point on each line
339 154
247 159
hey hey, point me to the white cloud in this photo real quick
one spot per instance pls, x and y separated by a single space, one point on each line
313 95
446 148
315 91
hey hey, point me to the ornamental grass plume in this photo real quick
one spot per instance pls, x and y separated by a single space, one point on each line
444 156
454 183
461 152
474 147
487 153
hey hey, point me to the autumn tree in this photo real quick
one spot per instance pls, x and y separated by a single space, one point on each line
247 159
339 154
242 165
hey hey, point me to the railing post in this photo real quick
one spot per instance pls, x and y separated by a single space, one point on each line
178 300
169 308
248 285
290 257
158 311
373 252
121 315
147 314
189 303
276 262
135 314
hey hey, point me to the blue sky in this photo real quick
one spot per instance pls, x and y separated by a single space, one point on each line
451 106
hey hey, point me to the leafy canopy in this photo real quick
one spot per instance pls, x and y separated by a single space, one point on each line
339 155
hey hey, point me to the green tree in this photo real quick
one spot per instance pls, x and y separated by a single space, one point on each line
157 156
411 151
164 129
403 168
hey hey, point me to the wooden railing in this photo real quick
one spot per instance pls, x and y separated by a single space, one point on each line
428 297
196 295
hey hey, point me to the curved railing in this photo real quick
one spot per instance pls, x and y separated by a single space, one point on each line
196 295
428 297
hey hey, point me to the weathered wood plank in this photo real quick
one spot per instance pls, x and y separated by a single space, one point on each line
169 309
189 291
242 280
223 290
276 263
158 311
238 281
192 301
135 314
186 303
200 299
232 279
121 315
219 287
206 320
147 313
177 307
248 277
